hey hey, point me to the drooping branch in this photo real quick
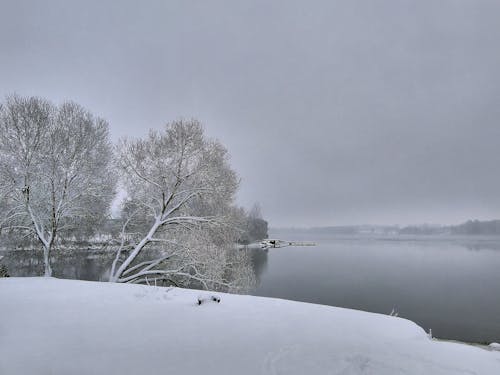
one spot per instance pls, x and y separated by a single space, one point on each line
184 187
122 243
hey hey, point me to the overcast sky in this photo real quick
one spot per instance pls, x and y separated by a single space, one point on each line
334 112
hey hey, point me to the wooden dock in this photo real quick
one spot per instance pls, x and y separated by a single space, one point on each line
275 243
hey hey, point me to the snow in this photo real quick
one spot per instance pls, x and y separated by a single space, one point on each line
60 327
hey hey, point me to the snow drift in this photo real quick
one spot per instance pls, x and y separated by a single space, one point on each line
60 327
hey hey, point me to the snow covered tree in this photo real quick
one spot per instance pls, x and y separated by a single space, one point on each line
256 226
54 169
178 214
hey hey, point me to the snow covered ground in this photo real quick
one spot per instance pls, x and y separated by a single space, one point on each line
68 327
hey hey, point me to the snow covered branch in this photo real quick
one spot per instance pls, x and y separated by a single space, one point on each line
180 191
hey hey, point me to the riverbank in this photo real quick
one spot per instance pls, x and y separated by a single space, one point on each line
52 326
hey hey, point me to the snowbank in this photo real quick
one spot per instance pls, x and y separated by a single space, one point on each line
61 327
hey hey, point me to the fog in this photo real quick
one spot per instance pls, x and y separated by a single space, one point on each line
334 112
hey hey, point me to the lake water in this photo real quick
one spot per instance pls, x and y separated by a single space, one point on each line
448 284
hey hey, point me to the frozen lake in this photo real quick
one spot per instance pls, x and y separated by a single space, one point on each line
450 285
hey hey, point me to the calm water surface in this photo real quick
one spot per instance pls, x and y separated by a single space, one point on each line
450 285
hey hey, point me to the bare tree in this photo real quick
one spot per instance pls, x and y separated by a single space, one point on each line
54 169
178 213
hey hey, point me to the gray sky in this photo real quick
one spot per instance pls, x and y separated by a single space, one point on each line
334 112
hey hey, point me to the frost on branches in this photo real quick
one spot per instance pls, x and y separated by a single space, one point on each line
179 222
54 169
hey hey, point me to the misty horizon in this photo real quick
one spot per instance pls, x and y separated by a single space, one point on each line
375 225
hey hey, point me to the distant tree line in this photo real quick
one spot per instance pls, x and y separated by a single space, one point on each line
471 227
474 227
255 228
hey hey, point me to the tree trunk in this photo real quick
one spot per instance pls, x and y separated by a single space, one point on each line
46 261
118 273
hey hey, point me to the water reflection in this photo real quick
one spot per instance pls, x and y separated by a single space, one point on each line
85 264
259 262
75 264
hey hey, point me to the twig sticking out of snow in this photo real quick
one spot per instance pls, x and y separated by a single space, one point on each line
211 298
394 312
430 333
